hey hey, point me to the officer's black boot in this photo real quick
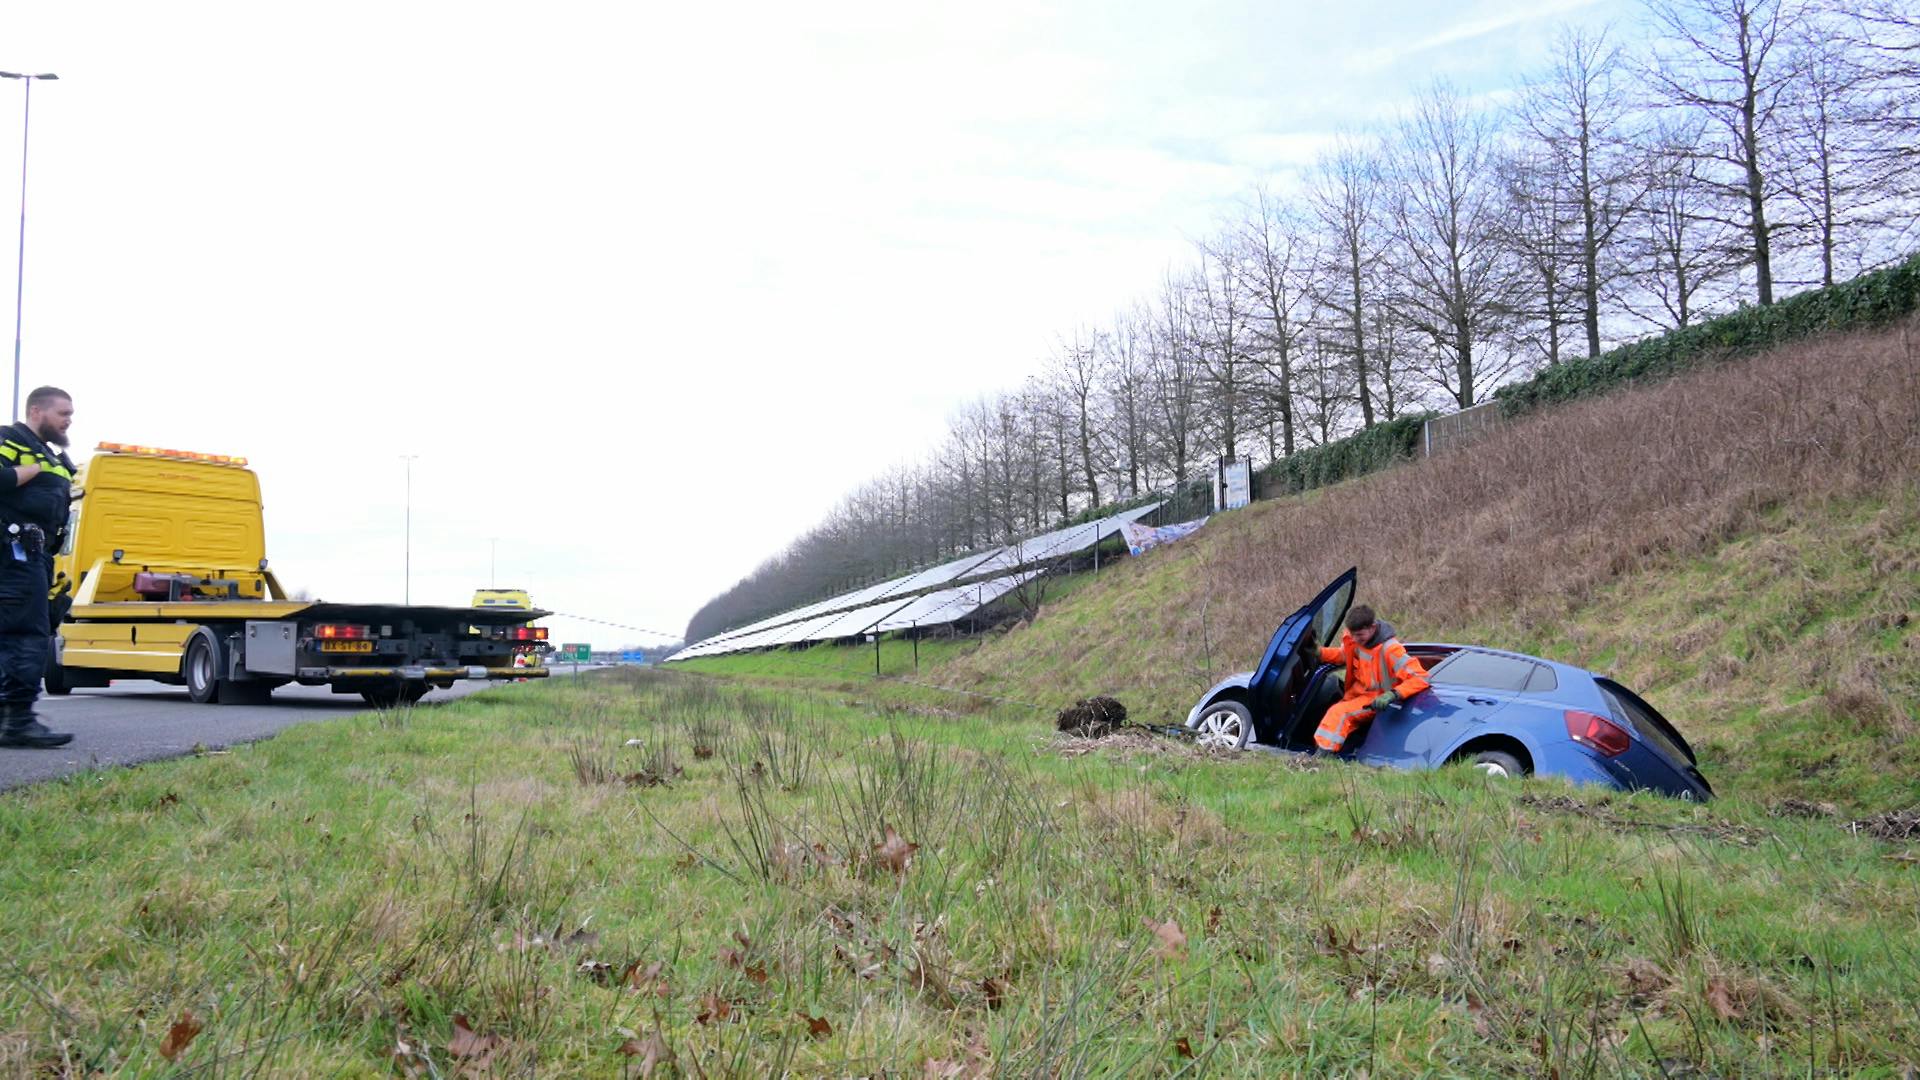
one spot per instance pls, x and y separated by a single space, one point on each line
18 727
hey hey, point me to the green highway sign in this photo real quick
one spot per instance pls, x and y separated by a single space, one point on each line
578 652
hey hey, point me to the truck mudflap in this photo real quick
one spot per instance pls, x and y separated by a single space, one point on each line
416 674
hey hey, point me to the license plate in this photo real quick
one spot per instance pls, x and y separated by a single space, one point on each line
346 646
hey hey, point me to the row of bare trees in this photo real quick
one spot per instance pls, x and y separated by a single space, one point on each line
1749 147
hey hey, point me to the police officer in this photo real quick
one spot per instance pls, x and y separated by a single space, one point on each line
35 478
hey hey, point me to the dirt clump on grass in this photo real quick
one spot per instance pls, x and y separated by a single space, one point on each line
1892 825
1095 717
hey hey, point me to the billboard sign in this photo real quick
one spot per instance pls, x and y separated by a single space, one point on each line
1233 487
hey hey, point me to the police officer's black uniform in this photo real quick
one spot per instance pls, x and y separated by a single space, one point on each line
33 519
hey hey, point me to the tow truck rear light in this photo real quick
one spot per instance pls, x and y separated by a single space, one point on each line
526 633
341 632
1598 732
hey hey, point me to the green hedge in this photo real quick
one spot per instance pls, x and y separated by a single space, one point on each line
1378 447
1869 300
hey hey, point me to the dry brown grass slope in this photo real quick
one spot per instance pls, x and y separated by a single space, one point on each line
1642 532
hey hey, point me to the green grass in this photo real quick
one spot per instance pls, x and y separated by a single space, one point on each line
344 889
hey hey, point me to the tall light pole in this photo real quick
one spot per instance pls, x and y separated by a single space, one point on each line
20 270
407 586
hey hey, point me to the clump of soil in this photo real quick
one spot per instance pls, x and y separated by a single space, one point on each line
1892 825
1792 807
1094 717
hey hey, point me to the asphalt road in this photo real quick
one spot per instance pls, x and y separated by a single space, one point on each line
135 721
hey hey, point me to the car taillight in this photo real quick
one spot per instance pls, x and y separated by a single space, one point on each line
341 632
1598 732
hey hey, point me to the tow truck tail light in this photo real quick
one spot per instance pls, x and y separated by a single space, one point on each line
1598 732
526 633
341 632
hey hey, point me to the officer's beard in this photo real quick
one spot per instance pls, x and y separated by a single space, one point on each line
52 436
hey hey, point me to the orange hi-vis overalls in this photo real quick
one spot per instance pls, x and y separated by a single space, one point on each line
1371 671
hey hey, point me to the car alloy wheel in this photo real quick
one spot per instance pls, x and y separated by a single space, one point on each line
1497 764
1226 725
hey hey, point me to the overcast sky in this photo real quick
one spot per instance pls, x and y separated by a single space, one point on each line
645 288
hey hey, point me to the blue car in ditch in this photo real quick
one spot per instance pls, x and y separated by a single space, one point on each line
1503 713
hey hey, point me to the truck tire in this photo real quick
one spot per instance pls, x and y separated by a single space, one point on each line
200 669
56 680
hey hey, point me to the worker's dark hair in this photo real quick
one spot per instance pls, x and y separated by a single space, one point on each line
1360 616
43 395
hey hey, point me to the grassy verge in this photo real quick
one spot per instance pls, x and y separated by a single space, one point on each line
776 881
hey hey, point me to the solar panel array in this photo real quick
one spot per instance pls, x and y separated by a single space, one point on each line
936 596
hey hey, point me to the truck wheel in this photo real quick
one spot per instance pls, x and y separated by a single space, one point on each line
56 681
201 669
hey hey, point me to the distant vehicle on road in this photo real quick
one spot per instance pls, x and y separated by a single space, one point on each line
1503 713
166 566
530 652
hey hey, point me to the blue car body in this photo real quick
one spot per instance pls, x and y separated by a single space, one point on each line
1499 711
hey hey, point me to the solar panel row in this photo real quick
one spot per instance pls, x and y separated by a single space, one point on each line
905 602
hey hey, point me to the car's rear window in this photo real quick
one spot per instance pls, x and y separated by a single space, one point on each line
1649 729
1491 672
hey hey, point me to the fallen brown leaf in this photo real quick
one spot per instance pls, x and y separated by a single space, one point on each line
995 988
652 1051
179 1035
1721 1000
714 1009
1182 1047
467 1043
893 852
817 1026
1172 941
648 978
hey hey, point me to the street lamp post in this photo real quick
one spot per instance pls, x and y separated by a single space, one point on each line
407 580
20 270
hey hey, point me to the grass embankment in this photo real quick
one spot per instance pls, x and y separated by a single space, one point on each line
502 885
1741 545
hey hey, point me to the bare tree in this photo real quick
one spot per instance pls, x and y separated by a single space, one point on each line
1176 379
1539 232
1728 59
1325 389
1126 389
1839 175
1275 266
1220 313
1347 198
1077 379
1578 110
1446 210
1685 253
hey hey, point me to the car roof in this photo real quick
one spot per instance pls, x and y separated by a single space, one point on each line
1558 667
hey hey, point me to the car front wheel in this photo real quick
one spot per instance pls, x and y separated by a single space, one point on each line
1224 725
1498 764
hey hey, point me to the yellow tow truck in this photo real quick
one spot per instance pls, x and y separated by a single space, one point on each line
530 653
166 569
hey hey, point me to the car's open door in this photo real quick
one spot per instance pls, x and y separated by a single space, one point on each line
1281 673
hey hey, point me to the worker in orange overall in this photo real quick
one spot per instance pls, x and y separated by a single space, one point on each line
1379 674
